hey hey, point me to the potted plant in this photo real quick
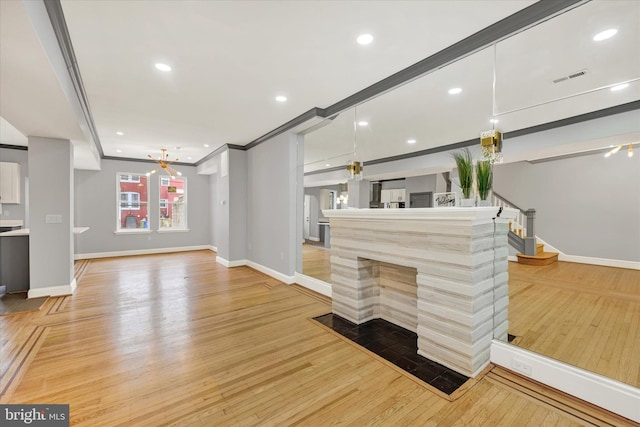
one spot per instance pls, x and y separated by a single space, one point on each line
464 163
484 178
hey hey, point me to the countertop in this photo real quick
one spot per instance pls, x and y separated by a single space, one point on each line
11 223
25 232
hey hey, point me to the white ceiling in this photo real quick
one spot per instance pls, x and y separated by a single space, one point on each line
230 59
525 66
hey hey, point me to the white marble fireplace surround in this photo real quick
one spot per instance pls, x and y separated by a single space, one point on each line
439 272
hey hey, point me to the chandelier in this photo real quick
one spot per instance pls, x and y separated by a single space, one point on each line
164 163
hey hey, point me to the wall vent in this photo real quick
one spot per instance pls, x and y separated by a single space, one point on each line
570 76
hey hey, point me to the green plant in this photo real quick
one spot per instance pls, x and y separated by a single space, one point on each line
483 178
464 163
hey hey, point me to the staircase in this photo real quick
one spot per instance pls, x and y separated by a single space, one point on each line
522 237
540 258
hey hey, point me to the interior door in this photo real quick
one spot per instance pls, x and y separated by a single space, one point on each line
307 204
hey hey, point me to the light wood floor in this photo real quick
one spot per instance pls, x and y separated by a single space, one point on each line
180 340
316 262
584 315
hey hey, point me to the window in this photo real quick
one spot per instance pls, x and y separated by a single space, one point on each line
129 178
173 204
129 200
164 181
133 195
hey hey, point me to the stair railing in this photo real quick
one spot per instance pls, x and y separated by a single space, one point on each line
521 231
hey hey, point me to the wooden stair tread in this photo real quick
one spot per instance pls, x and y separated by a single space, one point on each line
542 258
540 255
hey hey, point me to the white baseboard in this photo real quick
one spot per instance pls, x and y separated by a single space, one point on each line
314 284
230 264
53 291
604 392
140 252
271 272
512 258
314 239
619 263
213 248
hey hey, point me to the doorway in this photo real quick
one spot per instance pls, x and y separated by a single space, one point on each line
421 200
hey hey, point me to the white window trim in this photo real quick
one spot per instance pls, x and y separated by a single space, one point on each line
118 228
186 208
168 180
133 231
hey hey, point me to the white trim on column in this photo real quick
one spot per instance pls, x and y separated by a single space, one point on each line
314 284
273 273
53 291
609 394
230 264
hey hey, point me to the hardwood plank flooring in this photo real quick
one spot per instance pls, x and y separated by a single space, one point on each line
176 339
584 315
316 262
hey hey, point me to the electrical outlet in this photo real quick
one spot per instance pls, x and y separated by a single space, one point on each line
522 367
53 219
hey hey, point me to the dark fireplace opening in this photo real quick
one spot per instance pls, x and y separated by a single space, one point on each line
398 346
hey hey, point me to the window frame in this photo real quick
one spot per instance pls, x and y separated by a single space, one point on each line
170 198
143 203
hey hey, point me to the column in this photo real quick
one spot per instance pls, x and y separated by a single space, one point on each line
51 219
359 194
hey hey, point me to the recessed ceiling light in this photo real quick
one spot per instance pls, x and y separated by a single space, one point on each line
119 133
494 120
118 151
189 158
281 98
619 87
163 67
363 123
605 35
411 141
454 91
365 38
206 145
328 164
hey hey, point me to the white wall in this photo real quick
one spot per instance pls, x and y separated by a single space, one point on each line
96 207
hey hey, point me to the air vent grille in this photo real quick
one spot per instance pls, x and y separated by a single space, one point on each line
570 76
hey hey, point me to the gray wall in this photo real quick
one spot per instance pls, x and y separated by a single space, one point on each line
237 205
95 206
587 206
220 212
272 197
51 244
213 204
17 211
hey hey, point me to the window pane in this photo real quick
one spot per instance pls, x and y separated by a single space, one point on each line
133 194
173 204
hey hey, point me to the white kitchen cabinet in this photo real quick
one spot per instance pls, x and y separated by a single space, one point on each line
9 183
396 195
